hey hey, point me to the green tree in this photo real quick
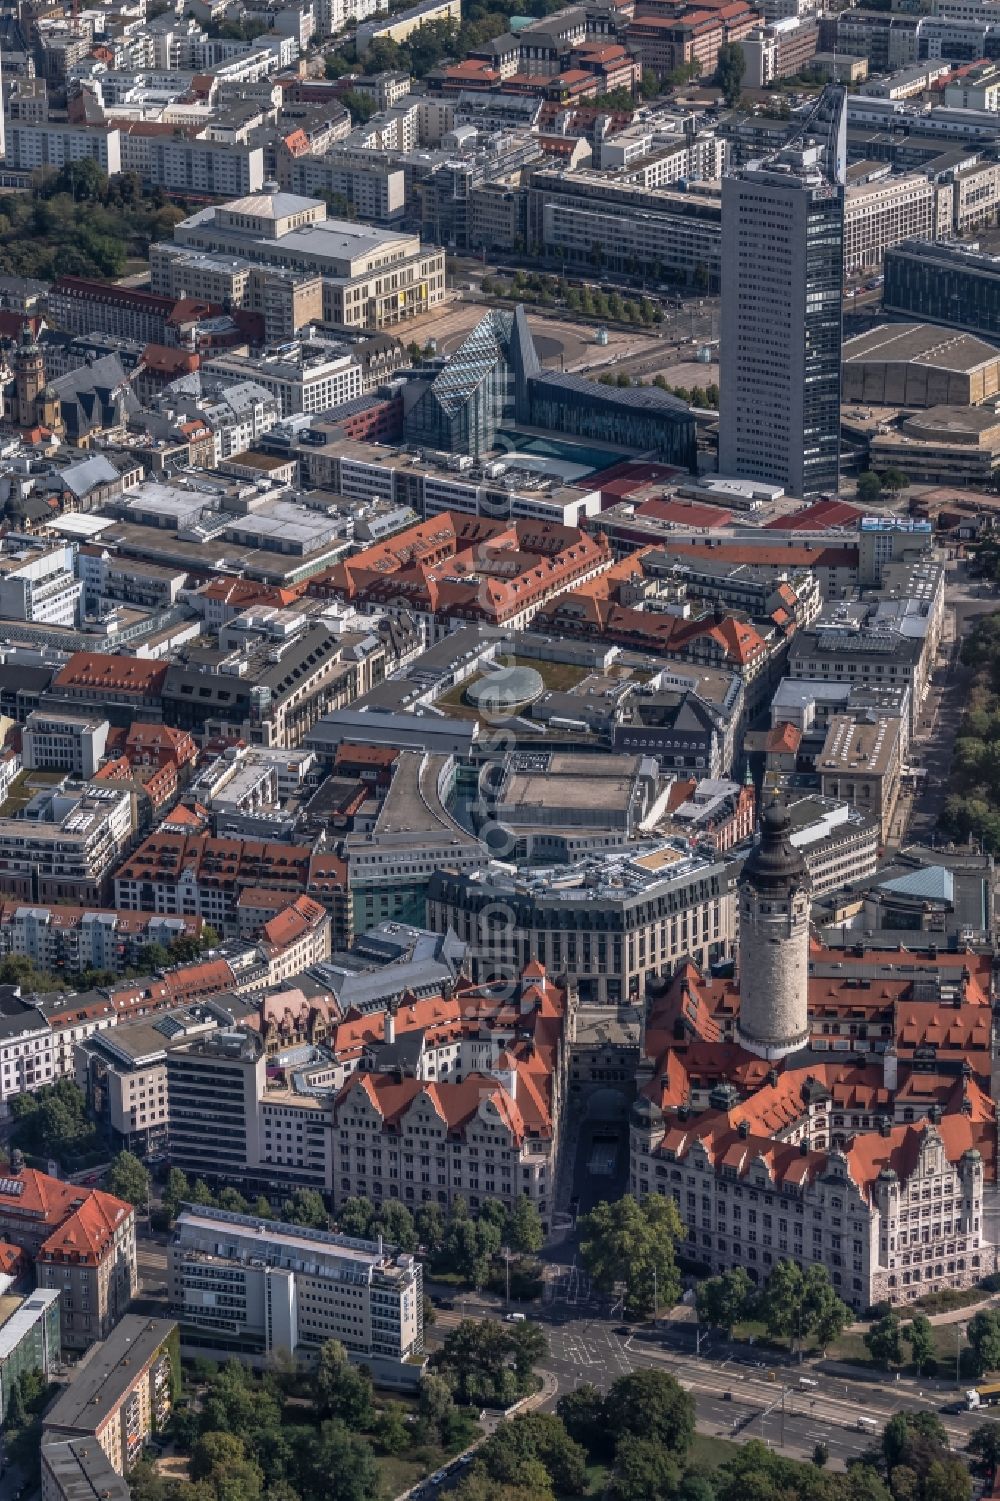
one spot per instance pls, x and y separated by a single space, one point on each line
821 1456
262 1208
392 1433
644 1471
895 480
984 1446
884 1341
429 1225
176 1193
825 1315
920 1334
474 1359
582 1412
395 1224
361 106
202 1194
306 1207
651 1405
722 1302
232 1200
356 1217
339 1466
529 1345
983 1335
869 487
17 1415
634 1244
729 71
343 1391
215 1452
435 1407
523 1231
539 1438
128 1179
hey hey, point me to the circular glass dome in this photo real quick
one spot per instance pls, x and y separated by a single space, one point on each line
505 691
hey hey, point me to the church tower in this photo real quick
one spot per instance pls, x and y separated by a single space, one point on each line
28 363
774 942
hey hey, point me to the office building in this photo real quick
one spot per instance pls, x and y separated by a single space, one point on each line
64 742
783 226
242 1286
121 1392
938 283
878 215
213 1085
608 922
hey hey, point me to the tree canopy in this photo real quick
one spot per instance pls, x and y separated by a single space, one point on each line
633 1245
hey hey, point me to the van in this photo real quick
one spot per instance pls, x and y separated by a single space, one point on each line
515 1318
867 1425
807 1383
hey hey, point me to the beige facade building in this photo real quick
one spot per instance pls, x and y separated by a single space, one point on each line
860 763
919 365
372 278
880 214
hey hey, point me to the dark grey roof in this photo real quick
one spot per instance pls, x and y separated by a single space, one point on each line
639 398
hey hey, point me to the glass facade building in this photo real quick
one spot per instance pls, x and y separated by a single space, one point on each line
29 1340
642 418
495 379
482 386
946 284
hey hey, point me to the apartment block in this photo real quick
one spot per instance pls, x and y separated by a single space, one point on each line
121 1392
66 843
68 940
206 166
375 189
53 144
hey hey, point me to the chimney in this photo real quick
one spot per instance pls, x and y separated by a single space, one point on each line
389 1032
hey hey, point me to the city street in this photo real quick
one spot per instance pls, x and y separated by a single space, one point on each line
739 1392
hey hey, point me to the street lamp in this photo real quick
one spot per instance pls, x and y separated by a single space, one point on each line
959 1331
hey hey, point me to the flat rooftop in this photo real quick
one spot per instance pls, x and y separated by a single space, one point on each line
919 344
851 745
107 1373
278 1243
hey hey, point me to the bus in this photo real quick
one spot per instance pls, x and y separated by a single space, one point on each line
987 1395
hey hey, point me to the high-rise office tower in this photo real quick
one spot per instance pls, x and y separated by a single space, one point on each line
782 306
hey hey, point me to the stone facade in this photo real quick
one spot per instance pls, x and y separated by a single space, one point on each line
774 943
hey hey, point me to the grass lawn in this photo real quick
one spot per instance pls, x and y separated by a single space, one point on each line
711 1451
852 1347
398 1472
